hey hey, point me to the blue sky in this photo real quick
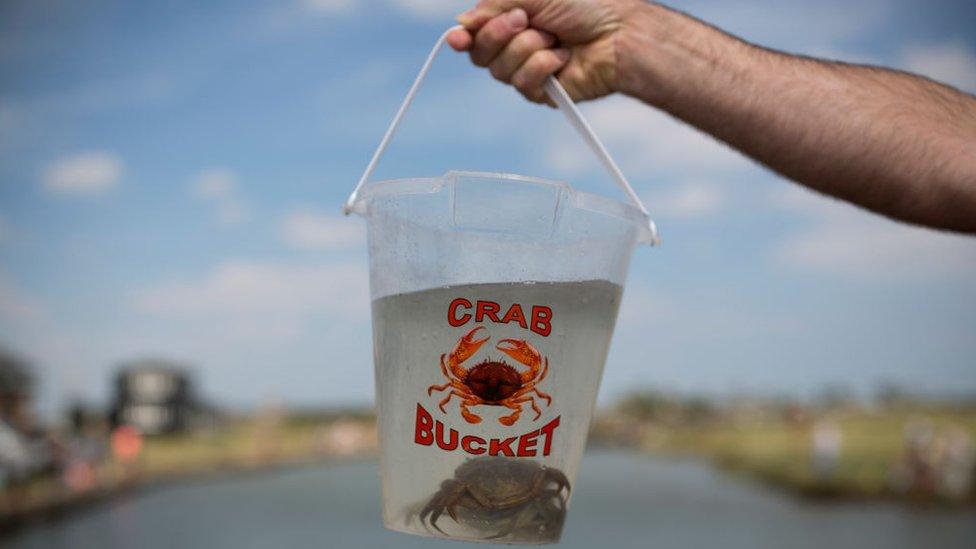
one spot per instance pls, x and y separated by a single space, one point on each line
171 176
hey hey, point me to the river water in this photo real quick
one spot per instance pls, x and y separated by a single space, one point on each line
622 500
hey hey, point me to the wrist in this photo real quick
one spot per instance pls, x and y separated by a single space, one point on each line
661 52
644 29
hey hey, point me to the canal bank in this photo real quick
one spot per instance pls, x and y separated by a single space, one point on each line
256 446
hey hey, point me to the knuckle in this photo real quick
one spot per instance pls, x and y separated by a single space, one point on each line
526 42
545 39
499 30
494 33
478 57
487 43
575 74
538 62
497 71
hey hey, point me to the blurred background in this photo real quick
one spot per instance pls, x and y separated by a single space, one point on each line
182 305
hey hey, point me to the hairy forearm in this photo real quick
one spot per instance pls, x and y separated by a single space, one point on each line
895 143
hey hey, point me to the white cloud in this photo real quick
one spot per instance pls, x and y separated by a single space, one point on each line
246 328
881 248
433 9
255 304
220 186
846 241
688 200
952 62
85 173
17 305
215 183
329 7
644 141
314 230
242 288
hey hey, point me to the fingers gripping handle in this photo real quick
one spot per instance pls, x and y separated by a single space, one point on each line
555 92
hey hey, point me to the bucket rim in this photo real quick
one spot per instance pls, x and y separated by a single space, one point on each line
646 231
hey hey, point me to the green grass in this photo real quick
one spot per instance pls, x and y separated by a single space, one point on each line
242 445
779 451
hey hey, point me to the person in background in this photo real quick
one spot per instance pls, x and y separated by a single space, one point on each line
895 143
126 443
84 449
827 441
958 458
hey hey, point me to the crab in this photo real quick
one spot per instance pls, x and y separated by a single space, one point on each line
485 491
493 382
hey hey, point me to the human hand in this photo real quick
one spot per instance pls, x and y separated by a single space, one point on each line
522 42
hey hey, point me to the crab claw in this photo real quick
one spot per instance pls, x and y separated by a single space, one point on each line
520 350
467 346
559 478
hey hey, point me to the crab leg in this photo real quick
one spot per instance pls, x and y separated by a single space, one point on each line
542 395
438 388
535 407
454 392
451 383
444 499
513 417
451 380
531 388
506 530
470 400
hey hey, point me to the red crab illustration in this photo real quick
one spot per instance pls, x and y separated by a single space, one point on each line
493 382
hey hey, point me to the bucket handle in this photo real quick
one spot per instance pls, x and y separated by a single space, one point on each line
555 92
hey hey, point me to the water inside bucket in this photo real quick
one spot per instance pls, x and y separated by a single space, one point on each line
436 460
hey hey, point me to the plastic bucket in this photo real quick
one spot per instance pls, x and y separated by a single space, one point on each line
494 298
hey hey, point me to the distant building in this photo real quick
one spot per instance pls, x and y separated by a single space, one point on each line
24 449
15 390
155 397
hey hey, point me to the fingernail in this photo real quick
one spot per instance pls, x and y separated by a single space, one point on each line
562 54
466 18
518 18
